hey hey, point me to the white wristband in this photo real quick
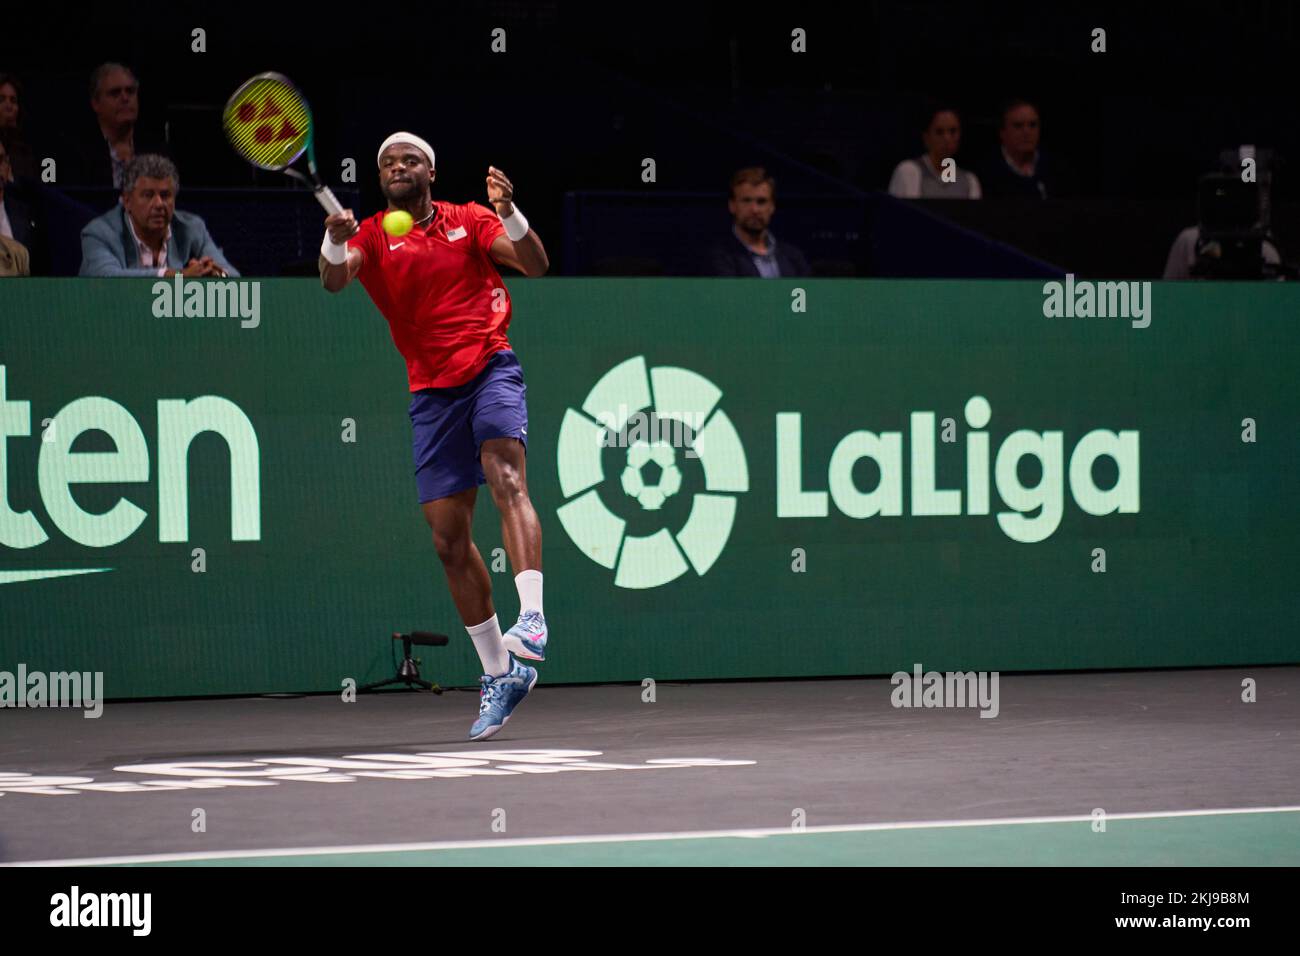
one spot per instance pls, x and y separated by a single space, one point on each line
516 225
334 253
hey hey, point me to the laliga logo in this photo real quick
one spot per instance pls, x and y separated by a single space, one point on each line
685 401
683 414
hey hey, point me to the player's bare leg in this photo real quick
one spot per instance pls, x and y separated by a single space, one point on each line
505 682
451 519
505 466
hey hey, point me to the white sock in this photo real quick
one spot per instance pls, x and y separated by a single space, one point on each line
491 652
529 584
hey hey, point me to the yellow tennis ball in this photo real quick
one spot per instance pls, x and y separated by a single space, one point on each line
398 222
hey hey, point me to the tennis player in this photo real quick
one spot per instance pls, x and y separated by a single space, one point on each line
448 311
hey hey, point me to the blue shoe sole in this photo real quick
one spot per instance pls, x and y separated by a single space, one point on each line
492 730
522 651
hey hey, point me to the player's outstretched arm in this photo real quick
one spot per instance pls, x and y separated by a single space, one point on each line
339 264
520 248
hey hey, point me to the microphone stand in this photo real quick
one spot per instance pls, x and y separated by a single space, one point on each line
408 672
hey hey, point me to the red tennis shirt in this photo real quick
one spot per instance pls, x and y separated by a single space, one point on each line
437 286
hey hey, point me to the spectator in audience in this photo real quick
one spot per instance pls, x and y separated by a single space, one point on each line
924 177
117 137
1020 168
16 220
22 164
8 101
20 220
146 235
753 250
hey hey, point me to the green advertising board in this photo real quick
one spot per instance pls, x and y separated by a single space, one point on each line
735 478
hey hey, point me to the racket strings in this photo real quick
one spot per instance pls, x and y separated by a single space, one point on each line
268 122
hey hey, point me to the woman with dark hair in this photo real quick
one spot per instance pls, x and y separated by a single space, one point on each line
21 160
935 174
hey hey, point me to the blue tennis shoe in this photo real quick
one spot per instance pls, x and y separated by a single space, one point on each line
499 696
527 639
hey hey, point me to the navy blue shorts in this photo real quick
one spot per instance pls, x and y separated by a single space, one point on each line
450 425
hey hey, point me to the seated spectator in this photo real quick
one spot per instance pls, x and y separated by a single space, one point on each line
753 250
923 178
16 221
20 219
21 160
115 138
146 235
1020 168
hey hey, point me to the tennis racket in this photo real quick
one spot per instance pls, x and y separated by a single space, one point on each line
269 123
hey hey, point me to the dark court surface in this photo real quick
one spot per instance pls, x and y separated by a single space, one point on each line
211 776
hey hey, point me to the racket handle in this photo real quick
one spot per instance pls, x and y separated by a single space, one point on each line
328 200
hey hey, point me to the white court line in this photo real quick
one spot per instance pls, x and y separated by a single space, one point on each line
631 837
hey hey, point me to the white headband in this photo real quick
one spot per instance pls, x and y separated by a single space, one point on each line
411 140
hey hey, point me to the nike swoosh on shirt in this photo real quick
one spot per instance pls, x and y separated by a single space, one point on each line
398 246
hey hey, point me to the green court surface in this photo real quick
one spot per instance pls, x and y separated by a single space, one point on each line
1263 837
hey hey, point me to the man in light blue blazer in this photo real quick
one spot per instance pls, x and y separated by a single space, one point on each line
146 235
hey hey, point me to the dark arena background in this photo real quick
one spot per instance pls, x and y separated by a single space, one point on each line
912 427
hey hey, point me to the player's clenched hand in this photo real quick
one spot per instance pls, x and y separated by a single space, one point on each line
342 226
500 191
